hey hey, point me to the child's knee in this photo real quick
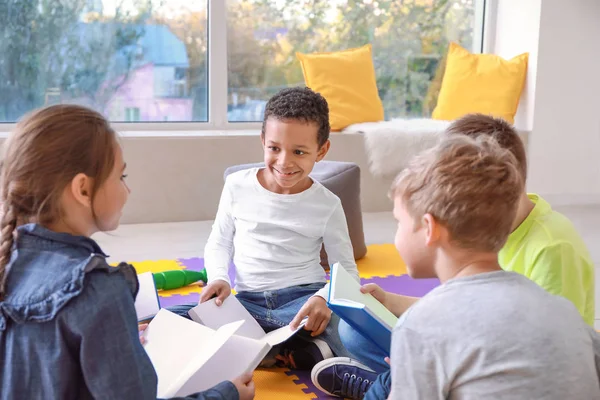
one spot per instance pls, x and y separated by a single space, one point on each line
348 335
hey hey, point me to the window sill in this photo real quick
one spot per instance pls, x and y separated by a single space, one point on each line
188 134
174 134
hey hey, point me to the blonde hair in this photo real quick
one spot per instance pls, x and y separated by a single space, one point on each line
475 125
48 148
470 186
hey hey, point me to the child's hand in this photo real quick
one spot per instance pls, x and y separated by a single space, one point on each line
244 386
219 288
141 329
318 316
377 292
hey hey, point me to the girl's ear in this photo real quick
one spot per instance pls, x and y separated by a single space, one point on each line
81 189
323 150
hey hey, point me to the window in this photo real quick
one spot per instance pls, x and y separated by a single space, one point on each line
132 114
133 60
156 61
409 41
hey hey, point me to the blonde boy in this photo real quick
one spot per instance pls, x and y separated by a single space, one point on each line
543 246
485 332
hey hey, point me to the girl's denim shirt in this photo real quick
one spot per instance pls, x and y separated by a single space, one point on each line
68 327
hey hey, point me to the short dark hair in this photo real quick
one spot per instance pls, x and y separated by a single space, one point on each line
303 104
475 125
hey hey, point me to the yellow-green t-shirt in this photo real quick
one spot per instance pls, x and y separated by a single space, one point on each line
547 249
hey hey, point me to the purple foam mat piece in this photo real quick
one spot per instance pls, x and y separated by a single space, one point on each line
396 284
404 285
304 378
197 264
177 299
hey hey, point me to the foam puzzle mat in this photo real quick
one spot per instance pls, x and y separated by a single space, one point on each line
382 265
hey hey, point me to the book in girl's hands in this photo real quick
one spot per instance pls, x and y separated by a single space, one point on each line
220 344
189 357
361 311
147 303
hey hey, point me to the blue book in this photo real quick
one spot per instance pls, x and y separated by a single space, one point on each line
363 312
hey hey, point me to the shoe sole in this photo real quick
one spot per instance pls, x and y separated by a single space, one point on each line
321 345
323 348
328 363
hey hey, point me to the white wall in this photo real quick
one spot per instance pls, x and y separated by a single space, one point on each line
180 178
561 100
516 31
563 104
565 144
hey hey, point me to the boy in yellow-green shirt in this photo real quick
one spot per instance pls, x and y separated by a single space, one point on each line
544 245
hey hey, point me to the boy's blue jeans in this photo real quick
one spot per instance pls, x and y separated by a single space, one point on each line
276 308
368 353
381 388
363 349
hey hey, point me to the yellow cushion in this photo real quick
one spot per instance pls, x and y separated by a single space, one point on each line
347 81
480 83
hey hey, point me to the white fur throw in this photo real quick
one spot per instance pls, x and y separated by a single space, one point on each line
391 144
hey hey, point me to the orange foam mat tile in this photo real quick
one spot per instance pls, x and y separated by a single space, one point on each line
381 260
275 384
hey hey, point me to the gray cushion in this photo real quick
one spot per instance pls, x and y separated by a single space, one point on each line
343 179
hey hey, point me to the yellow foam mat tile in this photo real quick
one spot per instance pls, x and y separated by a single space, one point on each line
155 266
381 260
275 384
167 265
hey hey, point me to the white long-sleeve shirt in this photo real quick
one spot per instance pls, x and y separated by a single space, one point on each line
277 237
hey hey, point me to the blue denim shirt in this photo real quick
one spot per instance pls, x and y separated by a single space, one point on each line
68 327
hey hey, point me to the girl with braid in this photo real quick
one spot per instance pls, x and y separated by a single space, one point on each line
68 327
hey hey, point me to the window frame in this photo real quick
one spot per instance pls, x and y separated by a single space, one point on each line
217 83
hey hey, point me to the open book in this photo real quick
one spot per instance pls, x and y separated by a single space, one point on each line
213 316
190 357
363 312
147 303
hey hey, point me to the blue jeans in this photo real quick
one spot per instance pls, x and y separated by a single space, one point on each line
381 388
362 349
365 351
273 309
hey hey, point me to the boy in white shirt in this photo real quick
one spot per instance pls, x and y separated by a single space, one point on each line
276 219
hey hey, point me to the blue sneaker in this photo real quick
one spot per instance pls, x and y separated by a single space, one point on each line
343 377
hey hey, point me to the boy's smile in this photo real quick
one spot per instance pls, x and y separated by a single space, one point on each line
291 150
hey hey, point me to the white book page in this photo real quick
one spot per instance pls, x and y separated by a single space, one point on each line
178 347
282 334
146 301
345 287
239 355
213 316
